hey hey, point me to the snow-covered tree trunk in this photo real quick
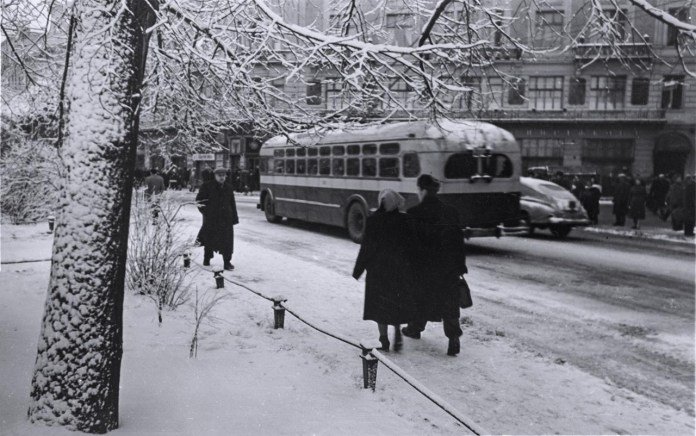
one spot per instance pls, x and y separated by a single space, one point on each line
76 377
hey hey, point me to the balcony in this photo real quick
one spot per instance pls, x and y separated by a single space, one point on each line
622 50
575 116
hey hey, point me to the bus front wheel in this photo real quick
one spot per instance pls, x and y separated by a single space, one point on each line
356 220
269 210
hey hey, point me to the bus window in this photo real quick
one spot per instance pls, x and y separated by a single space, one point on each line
369 149
301 152
325 151
353 149
389 167
337 166
389 148
290 152
411 165
263 165
312 167
301 166
324 166
338 150
352 166
369 167
290 166
499 165
460 166
279 152
311 151
279 166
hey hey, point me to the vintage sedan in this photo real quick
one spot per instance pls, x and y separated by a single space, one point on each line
547 205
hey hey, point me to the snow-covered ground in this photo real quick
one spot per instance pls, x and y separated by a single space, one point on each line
251 379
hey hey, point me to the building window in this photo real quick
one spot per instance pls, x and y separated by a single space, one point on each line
516 91
546 93
681 14
640 91
607 151
617 25
334 94
576 91
400 26
402 94
672 91
494 93
469 98
314 93
541 152
607 92
498 28
548 28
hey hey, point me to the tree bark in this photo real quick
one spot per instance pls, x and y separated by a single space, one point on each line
77 372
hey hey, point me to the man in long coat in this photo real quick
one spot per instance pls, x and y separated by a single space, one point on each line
216 202
442 261
622 192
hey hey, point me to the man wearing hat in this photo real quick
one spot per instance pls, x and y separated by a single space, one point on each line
216 203
440 263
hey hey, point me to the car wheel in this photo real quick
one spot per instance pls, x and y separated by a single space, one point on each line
560 231
269 210
356 219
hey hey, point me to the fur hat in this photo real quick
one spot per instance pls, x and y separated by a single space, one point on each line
390 200
428 182
220 171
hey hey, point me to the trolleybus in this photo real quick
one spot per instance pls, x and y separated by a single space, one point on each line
334 177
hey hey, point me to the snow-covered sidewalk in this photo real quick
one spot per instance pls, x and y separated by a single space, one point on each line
662 234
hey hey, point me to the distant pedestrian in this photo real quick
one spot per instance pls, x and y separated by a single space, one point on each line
622 191
387 254
154 186
689 206
675 203
577 188
217 205
561 180
590 200
441 261
636 202
658 194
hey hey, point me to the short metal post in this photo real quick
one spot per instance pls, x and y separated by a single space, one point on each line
369 369
219 280
278 313
187 260
51 223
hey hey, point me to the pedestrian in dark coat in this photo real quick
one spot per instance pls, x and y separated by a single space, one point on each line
387 253
689 206
636 203
622 192
658 193
154 184
675 203
590 200
441 261
216 203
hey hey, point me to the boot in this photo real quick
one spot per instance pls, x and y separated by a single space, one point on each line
409 333
398 339
384 340
228 266
453 347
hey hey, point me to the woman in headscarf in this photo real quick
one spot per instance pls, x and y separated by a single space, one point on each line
387 252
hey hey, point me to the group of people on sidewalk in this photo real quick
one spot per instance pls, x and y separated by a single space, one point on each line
414 261
665 199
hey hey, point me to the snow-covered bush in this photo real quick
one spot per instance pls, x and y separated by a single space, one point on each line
29 179
202 308
155 249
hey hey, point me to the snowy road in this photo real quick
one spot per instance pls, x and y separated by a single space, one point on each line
574 336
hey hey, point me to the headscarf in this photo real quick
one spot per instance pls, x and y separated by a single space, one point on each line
390 200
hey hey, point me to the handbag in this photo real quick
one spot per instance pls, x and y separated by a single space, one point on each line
464 293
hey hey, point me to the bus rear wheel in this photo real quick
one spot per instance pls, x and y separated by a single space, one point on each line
356 219
269 210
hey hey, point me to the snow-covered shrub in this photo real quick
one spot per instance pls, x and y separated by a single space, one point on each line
202 308
155 249
29 179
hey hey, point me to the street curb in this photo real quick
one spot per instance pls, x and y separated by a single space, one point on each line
638 236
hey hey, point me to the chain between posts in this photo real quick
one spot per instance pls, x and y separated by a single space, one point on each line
369 355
